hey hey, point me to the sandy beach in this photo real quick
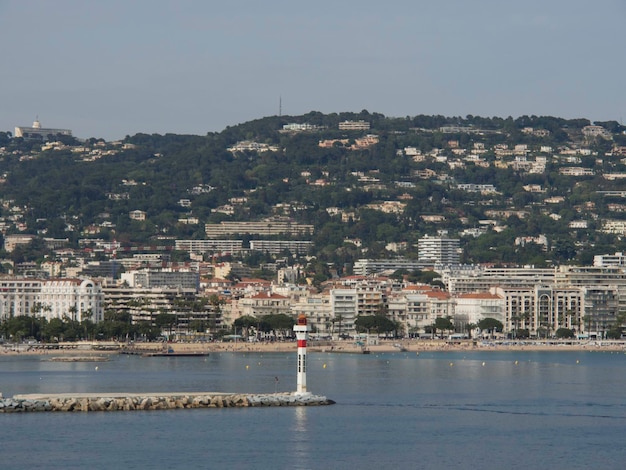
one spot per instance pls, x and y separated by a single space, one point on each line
383 346
417 346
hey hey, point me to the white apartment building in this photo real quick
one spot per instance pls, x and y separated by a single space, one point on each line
586 310
365 267
618 259
13 240
300 127
264 303
411 310
264 227
576 171
210 246
480 279
614 226
343 305
144 304
149 278
477 188
591 278
572 297
251 146
370 300
418 309
318 312
471 308
354 125
77 299
439 250
275 247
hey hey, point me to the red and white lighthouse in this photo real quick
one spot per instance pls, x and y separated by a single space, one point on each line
302 334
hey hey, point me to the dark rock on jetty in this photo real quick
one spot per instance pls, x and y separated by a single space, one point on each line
78 359
154 401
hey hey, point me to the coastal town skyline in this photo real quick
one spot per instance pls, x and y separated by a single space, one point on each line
449 201
413 211
115 69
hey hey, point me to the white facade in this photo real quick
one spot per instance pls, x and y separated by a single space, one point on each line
615 226
213 245
264 303
275 247
265 227
439 250
147 278
471 308
38 132
11 241
354 126
618 259
365 267
318 312
417 309
343 304
77 299
551 307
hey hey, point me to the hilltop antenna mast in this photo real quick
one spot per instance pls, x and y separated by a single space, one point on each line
280 106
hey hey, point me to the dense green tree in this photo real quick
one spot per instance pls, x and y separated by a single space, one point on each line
442 324
490 325
378 324
564 333
58 193
165 320
279 323
245 323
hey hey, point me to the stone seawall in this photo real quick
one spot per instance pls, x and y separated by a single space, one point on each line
154 401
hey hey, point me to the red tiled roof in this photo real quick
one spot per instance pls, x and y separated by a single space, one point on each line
268 295
418 288
437 294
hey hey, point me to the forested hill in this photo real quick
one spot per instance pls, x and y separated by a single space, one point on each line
492 182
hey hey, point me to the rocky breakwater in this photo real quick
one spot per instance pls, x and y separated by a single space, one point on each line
154 401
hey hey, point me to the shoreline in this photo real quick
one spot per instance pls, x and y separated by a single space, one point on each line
89 349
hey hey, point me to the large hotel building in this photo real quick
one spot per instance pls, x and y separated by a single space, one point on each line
77 299
38 132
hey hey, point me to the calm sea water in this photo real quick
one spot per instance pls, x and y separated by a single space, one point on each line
488 410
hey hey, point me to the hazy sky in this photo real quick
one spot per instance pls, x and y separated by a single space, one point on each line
110 68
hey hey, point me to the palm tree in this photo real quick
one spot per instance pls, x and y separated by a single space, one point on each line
86 317
469 327
216 302
73 311
587 319
338 319
515 321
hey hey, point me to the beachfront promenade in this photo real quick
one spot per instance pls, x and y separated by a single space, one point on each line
341 346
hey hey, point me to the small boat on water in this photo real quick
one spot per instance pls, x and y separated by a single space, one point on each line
166 352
